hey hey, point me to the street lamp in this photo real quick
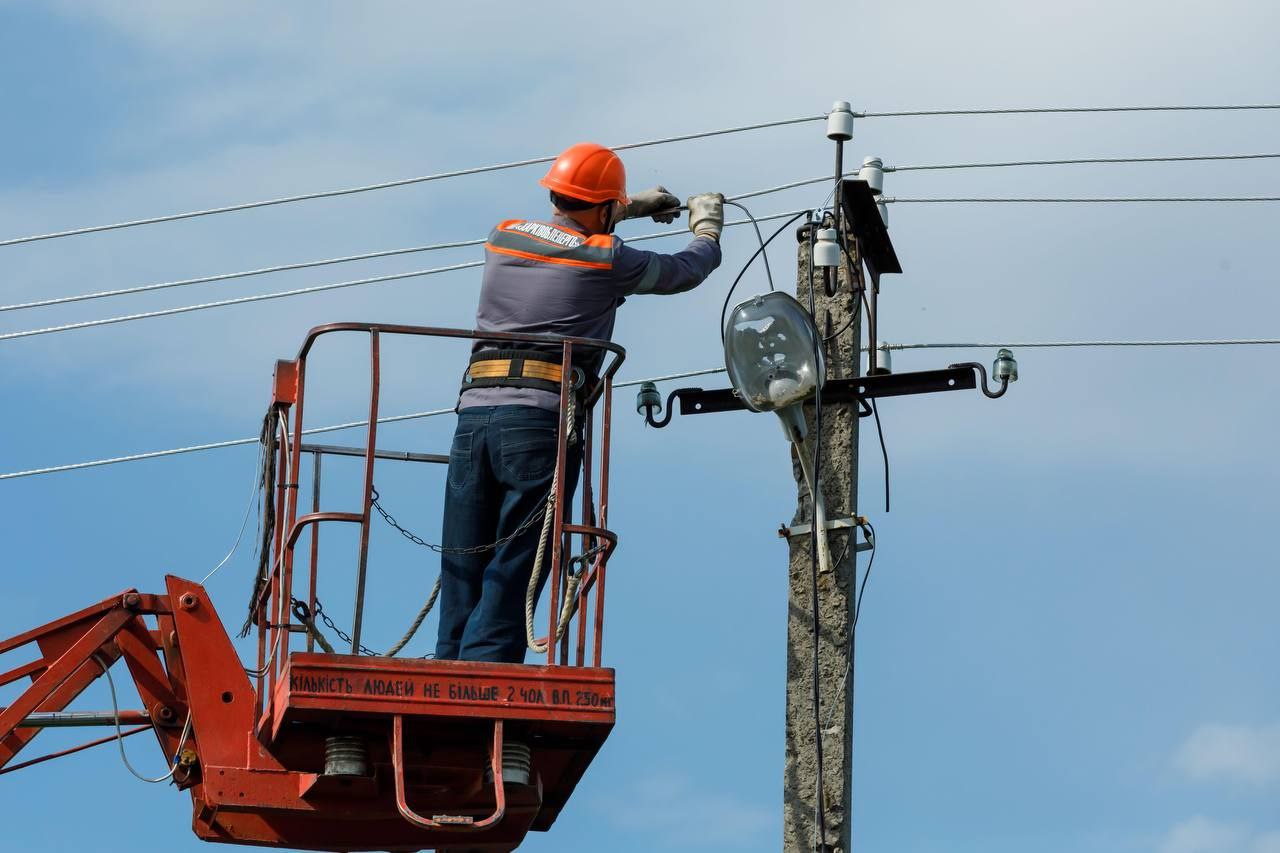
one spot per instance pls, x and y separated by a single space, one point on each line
774 359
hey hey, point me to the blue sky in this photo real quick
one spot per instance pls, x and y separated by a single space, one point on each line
1069 639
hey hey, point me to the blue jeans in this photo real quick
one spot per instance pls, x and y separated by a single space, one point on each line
501 465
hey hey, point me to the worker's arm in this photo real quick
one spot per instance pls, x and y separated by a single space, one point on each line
637 271
648 272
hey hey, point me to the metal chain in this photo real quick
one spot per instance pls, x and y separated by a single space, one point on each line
534 517
342 635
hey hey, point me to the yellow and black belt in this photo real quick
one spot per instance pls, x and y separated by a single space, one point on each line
543 371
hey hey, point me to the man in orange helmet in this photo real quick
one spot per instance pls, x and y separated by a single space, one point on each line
564 276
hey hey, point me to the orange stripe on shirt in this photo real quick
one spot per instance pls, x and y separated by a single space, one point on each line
568 262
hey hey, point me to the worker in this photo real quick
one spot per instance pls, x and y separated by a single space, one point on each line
564 276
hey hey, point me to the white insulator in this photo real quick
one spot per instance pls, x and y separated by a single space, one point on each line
826 252
872 172
840 121
884 361
884 212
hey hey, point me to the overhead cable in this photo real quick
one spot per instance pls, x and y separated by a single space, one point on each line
1031 344
301 291
222 303
1188 158
137 457
385 253
1048 110
237 442
400 182
1096 200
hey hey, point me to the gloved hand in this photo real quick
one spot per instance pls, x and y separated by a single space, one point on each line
657 202
706 215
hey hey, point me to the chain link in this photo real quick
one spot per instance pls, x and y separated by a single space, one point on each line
534 517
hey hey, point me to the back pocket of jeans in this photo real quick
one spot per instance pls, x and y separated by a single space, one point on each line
460 460
529 452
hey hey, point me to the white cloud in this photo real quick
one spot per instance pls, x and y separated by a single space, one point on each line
1204 835
1234 752
1201 834
1267 843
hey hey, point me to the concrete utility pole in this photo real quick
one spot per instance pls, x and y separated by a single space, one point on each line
836 589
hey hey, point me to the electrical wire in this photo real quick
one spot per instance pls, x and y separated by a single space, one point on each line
253 494
115 706
884 452
221 303
186 282
259 672
400 182
345 191
875 413
344 259
239 442
756 224
819 810
1220 342
1097 200
724 310
218 445
1189 158
1050 110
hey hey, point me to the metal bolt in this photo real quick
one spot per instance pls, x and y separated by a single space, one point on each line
188 601
132 600
165 714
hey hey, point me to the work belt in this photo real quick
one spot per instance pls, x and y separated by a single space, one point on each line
493 368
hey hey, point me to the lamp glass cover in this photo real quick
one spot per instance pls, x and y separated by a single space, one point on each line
771 352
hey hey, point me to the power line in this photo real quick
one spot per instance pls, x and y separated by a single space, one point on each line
137 457
221 303
1100 200
494 167
237 442
184 282
344 259
300 291
1190 158
1048 110
439 176
1031 344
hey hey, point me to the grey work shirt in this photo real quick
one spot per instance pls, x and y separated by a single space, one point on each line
549 278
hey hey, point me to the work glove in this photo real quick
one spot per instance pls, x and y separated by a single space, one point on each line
706 215
657 202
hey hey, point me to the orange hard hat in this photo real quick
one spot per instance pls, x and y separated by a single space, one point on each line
588 172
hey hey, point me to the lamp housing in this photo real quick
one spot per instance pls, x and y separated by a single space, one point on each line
771 352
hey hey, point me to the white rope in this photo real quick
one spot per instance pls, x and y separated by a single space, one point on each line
439 176
570 586
417 622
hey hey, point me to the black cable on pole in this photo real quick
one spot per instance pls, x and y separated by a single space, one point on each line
820 817
876 413
724 310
